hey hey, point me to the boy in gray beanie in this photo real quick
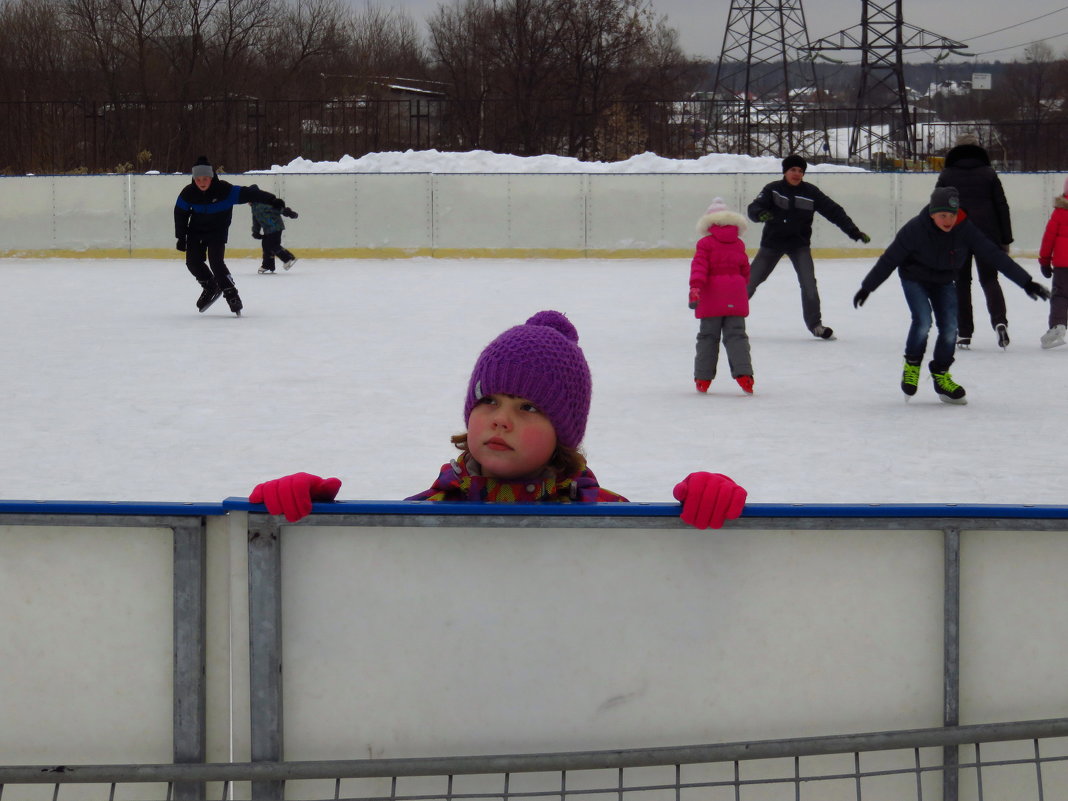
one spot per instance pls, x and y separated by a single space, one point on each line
928 253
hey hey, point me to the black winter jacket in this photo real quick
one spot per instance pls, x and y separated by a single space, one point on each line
981 194
207 215
924 252
794 207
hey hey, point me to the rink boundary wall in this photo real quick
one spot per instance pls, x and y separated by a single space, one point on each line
442 215
155 632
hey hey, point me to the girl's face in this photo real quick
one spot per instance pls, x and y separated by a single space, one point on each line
202 182
510 437
945 219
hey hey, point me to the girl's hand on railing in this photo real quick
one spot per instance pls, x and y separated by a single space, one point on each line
293 495
709 499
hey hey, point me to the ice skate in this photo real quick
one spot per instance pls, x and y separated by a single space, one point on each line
823 332
746 383
910 378
1053 338
702 386
949 391
233 299
208 296
964 343
1003 335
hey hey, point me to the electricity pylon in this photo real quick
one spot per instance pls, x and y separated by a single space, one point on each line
762 68
882 116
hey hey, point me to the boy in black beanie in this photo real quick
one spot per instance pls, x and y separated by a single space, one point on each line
786 208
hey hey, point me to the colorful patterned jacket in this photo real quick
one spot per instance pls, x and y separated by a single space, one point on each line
456 483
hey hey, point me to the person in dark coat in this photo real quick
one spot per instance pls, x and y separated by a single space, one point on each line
267 226
786 208
202 216
928 253
968 170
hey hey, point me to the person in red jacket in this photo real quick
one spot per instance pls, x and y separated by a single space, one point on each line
525 413
719 275
1053 259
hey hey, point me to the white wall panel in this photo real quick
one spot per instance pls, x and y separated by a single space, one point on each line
410 642
422 214
86 645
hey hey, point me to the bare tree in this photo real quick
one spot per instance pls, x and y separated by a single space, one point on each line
460 47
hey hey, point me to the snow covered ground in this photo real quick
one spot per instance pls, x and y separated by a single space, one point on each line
117 389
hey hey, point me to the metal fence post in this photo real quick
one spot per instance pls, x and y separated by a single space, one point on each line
951 656
190 684
265 648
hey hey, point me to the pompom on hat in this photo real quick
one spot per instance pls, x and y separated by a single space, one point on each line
794 160
717 205
542 362
944 198
203 168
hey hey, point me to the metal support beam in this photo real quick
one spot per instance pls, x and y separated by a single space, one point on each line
190 682
265 649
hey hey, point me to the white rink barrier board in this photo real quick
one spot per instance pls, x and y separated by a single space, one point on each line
382 215
416 629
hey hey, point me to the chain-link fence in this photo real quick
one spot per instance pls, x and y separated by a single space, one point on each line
241 135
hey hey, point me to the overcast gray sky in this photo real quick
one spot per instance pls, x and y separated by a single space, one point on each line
701 23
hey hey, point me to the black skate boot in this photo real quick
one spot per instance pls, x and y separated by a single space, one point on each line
208 296
910 377
949 391
232 298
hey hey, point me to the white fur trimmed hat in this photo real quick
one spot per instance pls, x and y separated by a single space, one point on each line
717 213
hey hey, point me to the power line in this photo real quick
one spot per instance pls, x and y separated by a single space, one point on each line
1022 44
1018 24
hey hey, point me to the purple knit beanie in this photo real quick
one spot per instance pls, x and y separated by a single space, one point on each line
542 362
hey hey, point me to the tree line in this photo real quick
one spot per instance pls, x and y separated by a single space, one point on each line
152 83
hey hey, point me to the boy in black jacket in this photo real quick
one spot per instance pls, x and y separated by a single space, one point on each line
202 216
786 208
928 253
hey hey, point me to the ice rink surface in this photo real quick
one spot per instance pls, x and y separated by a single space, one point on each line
115 388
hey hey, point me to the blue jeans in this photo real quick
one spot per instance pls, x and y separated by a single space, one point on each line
925 299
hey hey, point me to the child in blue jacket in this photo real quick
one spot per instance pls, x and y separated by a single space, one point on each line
267 226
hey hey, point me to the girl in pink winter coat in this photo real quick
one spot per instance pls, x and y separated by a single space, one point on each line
719 274
1053 259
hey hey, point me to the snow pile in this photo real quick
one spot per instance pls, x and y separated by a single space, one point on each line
484 161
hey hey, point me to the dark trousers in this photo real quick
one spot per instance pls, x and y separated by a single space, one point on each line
764 262
206 261
272 246
1058 303
995 298
926 300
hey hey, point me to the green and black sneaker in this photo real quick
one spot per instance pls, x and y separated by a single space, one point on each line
949 391
910 377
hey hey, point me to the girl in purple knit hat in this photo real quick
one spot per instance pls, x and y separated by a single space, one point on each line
525 410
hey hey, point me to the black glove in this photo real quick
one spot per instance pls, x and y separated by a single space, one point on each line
860 297
278 203
765 216
1036 291
180 244
1047 270
288 212
256 233
862 237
